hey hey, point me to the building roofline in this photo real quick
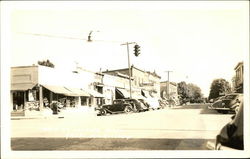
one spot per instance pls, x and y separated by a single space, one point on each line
173 83
240 63
24 66
134 68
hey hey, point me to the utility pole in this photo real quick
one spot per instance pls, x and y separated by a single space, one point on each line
168 93
129 68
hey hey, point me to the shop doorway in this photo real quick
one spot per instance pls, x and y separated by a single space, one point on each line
18 100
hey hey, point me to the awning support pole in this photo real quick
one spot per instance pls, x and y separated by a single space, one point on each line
40 97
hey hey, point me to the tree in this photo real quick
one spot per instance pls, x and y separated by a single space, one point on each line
182 90
189 92
195 94
46 63
219 87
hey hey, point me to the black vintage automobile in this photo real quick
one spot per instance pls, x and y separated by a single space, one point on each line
118 106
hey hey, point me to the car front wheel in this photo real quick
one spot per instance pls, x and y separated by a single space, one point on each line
128 109
103 112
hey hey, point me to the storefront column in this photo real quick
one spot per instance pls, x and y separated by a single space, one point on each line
24 99
50 97
40 97
79 102
11 101
87 101
94 101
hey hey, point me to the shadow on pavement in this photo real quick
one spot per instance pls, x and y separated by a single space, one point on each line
196 106
209 111
203 107
38 144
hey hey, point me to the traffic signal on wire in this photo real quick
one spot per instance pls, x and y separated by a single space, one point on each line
136 50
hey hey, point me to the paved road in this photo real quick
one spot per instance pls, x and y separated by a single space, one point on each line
180 128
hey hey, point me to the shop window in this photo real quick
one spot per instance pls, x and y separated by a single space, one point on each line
84 100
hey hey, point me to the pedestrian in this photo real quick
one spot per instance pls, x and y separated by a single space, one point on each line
45 102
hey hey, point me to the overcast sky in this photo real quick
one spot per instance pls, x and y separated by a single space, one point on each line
198 41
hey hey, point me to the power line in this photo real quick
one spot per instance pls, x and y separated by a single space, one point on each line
67 37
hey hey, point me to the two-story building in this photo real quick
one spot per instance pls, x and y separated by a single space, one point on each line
146 82
169 90
239 78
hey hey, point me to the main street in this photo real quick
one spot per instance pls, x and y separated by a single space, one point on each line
186 127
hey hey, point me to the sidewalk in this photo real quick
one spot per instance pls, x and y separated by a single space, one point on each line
47 113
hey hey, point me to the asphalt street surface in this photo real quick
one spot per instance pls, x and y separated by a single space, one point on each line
186 127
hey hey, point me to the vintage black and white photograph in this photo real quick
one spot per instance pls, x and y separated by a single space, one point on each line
125 79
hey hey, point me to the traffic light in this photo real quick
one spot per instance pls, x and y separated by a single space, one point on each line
137 50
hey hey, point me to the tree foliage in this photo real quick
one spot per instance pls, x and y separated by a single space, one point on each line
46 63
218 87
189 92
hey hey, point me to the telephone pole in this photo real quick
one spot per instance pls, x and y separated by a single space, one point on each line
129 68
168 93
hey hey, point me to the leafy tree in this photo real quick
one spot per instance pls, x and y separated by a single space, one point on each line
195 94
218 87
182 90
46 63
189 92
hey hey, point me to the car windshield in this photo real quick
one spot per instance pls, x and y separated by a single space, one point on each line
117 102
230 97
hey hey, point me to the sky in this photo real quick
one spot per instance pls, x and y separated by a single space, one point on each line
197 41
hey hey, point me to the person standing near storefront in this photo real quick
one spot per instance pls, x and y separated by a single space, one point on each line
45 102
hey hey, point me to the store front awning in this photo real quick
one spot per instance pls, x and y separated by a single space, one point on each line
22 86
137 96
78 92
146 94
123 92
59 90
68 91
94 93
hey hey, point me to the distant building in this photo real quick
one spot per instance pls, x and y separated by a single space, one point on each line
173 93
239 78
149 82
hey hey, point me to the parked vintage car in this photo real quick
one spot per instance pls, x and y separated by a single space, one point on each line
217 102
118 106
227 103
137 105
144 102
154 104
231 136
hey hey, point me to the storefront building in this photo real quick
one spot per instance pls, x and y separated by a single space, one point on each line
143 83
34 87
